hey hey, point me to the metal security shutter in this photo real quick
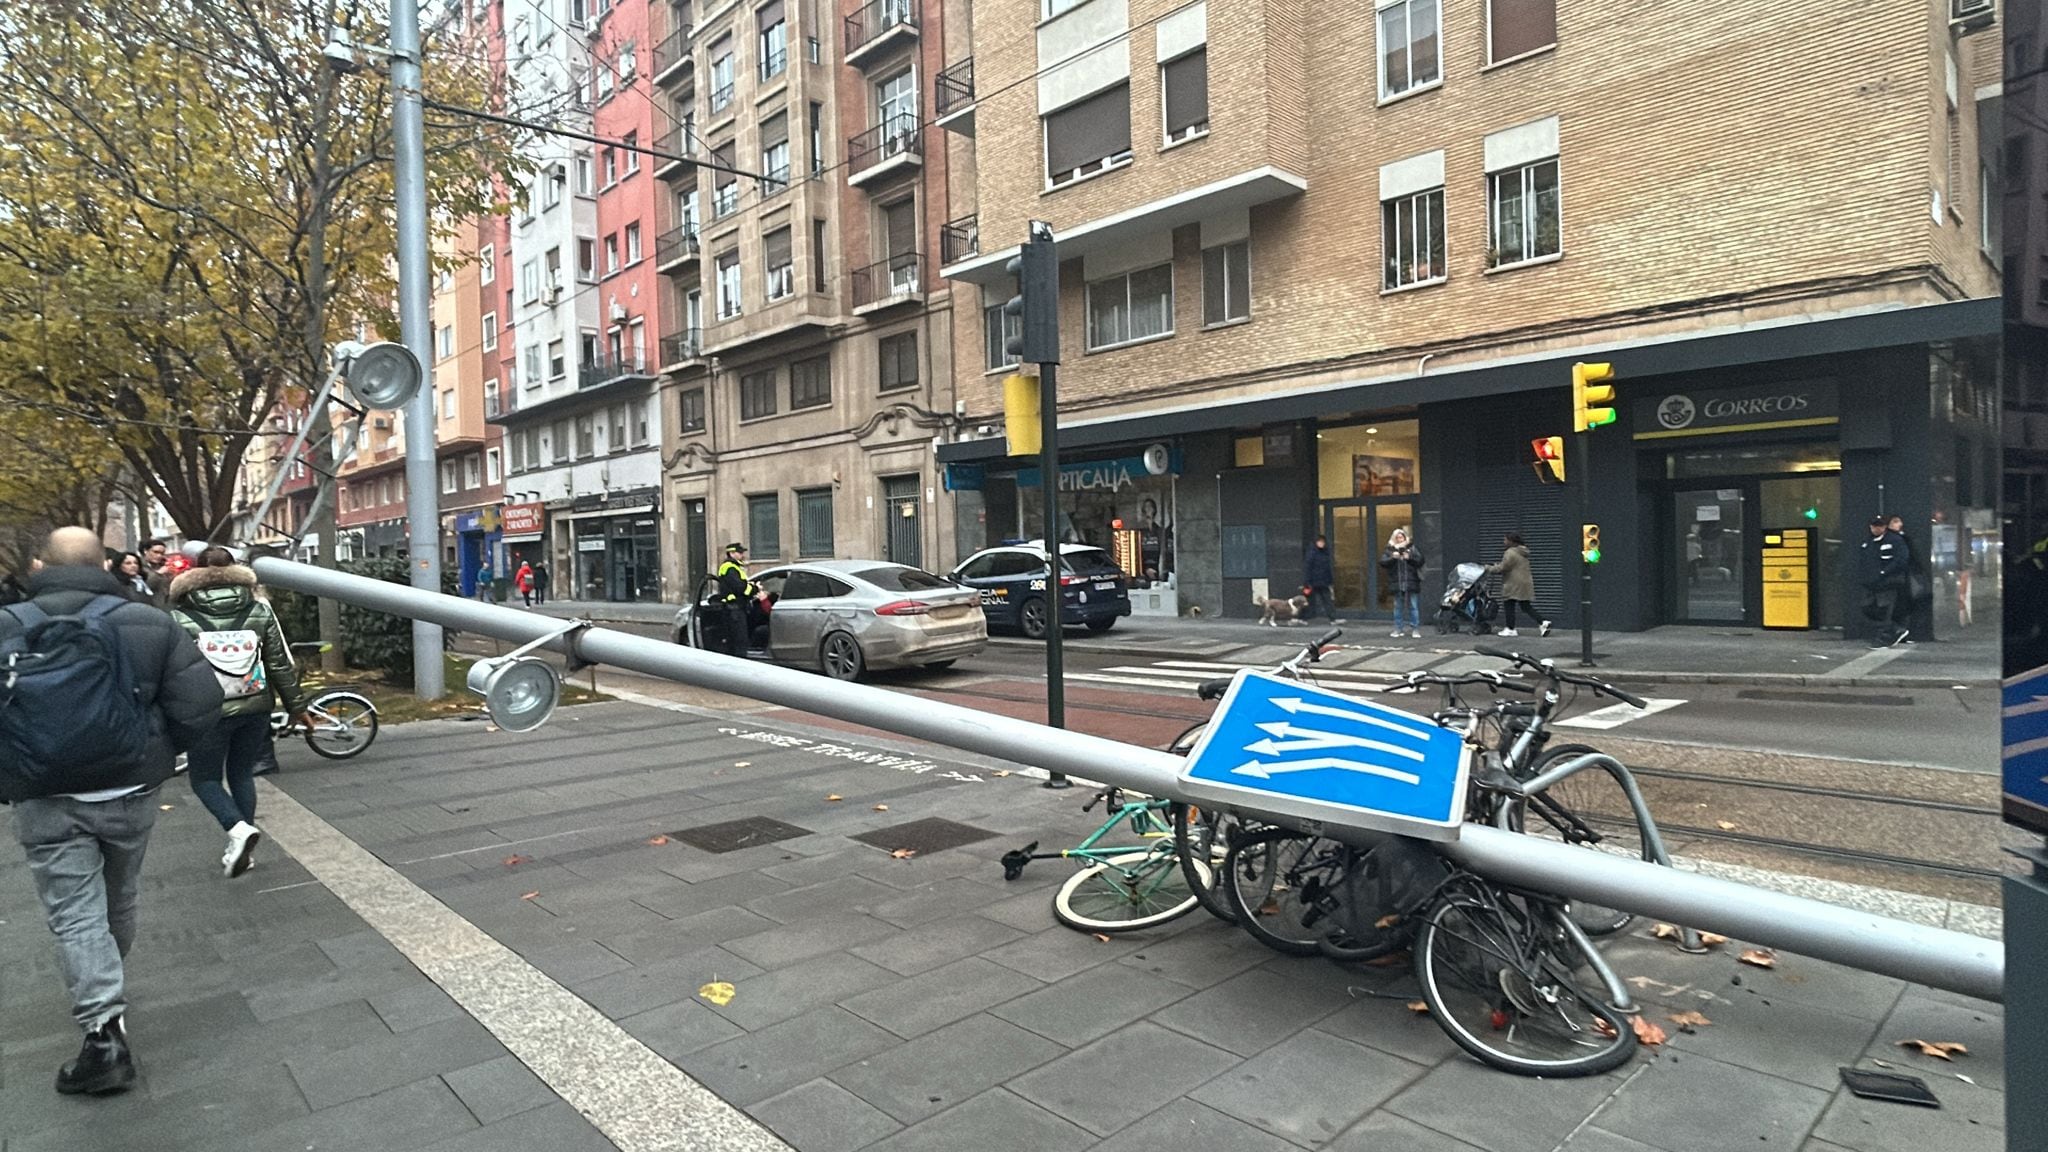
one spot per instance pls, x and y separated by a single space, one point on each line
1187 92
1083 133
1512 501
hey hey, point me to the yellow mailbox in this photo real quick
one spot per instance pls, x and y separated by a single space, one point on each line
1788 578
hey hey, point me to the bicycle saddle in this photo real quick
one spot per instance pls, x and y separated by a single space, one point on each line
1213 689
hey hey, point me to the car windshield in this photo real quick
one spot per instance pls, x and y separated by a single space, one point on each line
896 578
1089 562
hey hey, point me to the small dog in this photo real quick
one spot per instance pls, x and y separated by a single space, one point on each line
1289 610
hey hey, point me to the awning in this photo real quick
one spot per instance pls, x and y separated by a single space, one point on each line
630 510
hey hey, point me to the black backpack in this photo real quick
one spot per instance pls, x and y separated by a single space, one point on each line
71 716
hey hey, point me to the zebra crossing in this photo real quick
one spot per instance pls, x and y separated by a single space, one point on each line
1188 675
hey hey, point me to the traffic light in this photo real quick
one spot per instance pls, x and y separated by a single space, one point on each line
1812 512
1589 543
1549 461
1591 395
1034 312
1020 414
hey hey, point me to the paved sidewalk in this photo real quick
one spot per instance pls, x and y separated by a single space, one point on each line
878 1003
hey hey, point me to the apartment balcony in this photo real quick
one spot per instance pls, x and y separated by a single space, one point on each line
894 145
672 56
953 97
887 283
676 247
606 370
959 239
682 349
875 29
676 142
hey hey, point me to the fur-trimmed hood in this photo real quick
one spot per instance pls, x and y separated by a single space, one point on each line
198 579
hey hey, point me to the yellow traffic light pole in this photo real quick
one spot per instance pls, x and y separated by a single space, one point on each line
1592 407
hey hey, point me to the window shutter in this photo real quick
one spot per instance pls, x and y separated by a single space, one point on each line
1518 26
723 156
1187 91
777 245
771 14
900 220
774 131
1083 133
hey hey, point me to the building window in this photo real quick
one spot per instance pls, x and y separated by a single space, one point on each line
1055 7
532 369
781 272
814 522
472 470
1134 306
818 256
587 344
557 368
1988 212
630 147
1522 214
725 186
757 394
583 174
633 252
564 445
611 167
997 326
551 271
1186 84
896 97
1519 27
899 361
604 93
490 331
519 452
1088 137
447 478
721 75
1227 283
1412 239
764 527
487 264
586 436
691 417
529 281
810 383
728 285
1408 46
611 254
817 139
636 413
493 466
551 183
586 260
447 403
444 342
629 61
616 442
774 40
491 401
774 154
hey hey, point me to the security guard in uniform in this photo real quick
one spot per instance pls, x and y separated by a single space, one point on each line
735 591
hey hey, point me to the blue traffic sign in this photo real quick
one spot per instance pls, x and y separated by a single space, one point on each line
1296 750
2026 749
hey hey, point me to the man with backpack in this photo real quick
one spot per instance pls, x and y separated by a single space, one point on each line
98 694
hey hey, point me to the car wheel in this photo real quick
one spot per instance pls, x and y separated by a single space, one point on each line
1103 625
841 657
1031 618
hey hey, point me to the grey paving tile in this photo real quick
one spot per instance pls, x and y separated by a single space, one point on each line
1308 1087
377 1065
1385 1022
930 946
750 1068
720 891
1683 1104
679 937
847 861
38 1120
405 1117
555 1128
577 961
206 1057
290 997
1804 980
933 901
675 1030
1059 952
1185 1126
635 990
1028 910
944 1068
1206 954
1821 1146
404 1009
499 1088
775 996
1920 1017
1970 1119
1144 1062
844 894
833 932
916 1005
820 1116
1386 1132
1092 1004
361 949
1595 1139
1788 1039
1249 1012
995 1121
1480 1106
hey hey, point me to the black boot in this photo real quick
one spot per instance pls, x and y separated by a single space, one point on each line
103 1065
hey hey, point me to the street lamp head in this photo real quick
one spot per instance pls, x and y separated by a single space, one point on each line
520 692
382 375
340 53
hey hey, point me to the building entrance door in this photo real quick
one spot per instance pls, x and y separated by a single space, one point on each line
904 534
1358 534
696 547
1711 550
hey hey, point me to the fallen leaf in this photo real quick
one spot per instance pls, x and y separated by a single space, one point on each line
657 841
881 807
490 727
1419 1007
1690 1019
718 992
1270 908
1726 825
1387 921
1000 772
1712 938
904 853
1939 1049
743 763
1964 1079
1759 957
1101 937
1665 931
834 798
1647 1031
529 895
516 861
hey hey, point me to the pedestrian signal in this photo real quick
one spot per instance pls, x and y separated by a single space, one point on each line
1549 461
1589 543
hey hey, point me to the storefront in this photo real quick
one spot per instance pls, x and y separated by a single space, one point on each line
522 538
615 542
1368 483
477 536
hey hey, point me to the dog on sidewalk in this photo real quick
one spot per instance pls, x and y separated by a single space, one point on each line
1277 611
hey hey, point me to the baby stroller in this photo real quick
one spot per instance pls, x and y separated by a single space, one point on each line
1466 602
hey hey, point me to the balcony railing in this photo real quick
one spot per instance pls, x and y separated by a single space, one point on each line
954 88
725 200
775 180
898 277
606 369
773 64
674 50
959 239
678 347
898 135
675 245
883 19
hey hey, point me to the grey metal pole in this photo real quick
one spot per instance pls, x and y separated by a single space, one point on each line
1055 593
1944 959
416 323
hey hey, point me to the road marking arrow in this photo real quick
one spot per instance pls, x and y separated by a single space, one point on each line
1265 771
1311 740
1294 704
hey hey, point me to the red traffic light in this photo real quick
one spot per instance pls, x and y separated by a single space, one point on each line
1548 447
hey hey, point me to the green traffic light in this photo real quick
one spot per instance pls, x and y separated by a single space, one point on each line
1812 513
1595 417
1592 557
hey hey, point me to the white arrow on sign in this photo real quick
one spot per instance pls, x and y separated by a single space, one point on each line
1294 704
1265 771
1312 740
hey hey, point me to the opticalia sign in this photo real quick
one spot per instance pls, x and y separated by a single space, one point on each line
1109 475
522 519
1753 408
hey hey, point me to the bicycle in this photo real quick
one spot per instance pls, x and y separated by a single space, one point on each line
344 720
1125 887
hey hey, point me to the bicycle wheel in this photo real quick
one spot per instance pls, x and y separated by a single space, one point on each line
1590 810
1277 882
1203 835
1128 892
1494 986
1374 901
344 725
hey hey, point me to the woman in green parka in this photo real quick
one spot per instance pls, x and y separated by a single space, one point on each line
239 635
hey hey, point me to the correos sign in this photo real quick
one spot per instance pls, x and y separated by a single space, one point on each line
1732 409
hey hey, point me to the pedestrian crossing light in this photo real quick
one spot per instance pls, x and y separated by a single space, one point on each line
1591 395
1549 461
1812 512
1589 543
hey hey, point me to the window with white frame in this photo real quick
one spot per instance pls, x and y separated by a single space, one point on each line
1227 283
448 476
491 400
1131 307
611 254
494 470
1053 8
532 366
518 440
774 154
1088 137
529 281
1518 27
997 326
490 331
636 412
610 160
472 470
604 83
557 366
1522 214
636 344
487 264
721 75
584 174
631 149
728 285
629 61
1412 239
551 182
777 255
444 342
725 186
1410 53
1185 82
447 403
586 436
633 252
616 441
774 42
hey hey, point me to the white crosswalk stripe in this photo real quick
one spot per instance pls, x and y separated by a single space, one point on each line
1615 715
1188 675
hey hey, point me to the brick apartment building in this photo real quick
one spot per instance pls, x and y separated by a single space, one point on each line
1339 270
470 458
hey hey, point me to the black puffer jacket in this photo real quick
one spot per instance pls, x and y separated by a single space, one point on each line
175 681
212 600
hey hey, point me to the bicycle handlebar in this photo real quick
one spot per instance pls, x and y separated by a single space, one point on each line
1549 671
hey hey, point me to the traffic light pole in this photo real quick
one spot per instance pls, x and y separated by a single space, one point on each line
1585 471
1056 597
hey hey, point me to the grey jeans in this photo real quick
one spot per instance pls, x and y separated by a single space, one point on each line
86 860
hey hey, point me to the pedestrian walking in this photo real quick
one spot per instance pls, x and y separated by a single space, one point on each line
1919 576
117 691
522 579
1881 570
128 572
485 577
735 591
1517 584
540 581
154 558
239 637
1318 573
1402 562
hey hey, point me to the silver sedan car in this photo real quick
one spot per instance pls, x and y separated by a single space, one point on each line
843 617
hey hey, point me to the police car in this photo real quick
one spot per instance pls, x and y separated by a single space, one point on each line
1012 582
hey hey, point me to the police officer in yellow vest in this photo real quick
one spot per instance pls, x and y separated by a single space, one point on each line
735 590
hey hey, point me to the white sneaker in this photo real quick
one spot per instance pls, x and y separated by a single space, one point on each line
1397 633
1507 632
1545 630
242 840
